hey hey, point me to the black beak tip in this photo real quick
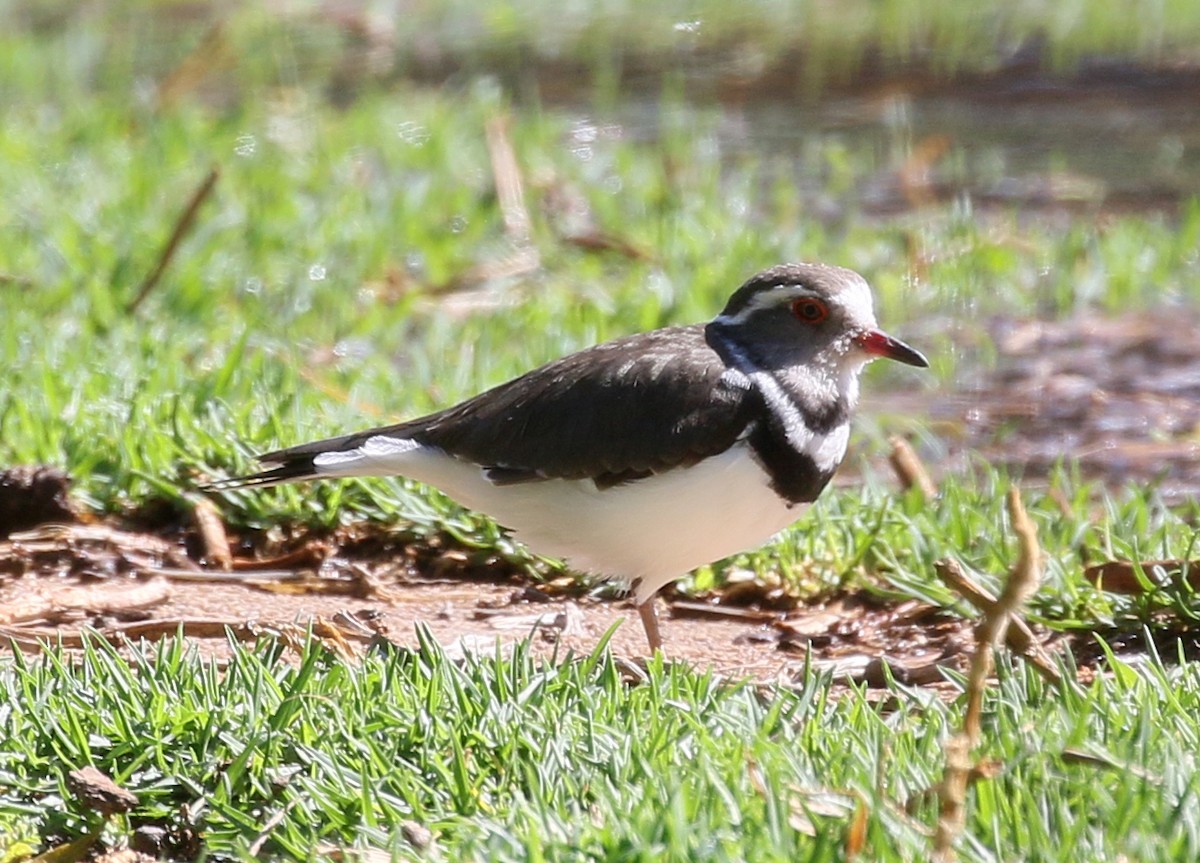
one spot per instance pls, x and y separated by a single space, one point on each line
881 344
913 357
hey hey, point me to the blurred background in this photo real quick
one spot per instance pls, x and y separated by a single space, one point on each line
268 221
228 227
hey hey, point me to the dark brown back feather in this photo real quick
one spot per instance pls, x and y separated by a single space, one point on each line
615 413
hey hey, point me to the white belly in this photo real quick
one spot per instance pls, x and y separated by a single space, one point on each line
656 529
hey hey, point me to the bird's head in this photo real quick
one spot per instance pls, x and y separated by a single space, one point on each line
810 315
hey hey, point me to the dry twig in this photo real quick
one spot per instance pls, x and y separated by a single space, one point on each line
212 534
181 228
1019 636
1022 582
111 597
506 174
599 241
269 825
143 550
510 192
210 52
915 174
38 637
909 468
311 555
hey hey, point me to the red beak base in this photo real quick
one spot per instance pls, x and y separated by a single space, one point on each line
880 344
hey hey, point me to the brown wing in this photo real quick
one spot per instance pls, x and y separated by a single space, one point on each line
615 413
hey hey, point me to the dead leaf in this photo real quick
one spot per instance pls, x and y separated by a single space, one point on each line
99 793
1121 576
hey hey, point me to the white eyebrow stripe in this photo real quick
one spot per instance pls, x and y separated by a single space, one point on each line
764 299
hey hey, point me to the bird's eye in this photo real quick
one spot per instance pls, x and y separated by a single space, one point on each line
810 310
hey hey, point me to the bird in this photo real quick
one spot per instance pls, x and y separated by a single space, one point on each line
645 457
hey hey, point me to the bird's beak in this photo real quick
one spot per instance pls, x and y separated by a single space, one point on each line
880 344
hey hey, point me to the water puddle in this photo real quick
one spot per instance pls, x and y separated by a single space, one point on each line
1110 134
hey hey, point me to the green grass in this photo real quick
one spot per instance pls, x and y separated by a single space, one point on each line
872 539
275 324
306 301
511 759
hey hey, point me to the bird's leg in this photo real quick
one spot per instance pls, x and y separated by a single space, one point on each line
650 623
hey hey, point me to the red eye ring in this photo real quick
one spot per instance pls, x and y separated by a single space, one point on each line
810 310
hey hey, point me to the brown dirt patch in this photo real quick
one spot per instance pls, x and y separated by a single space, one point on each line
59 581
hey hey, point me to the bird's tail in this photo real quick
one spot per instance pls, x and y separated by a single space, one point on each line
379 452
295 469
